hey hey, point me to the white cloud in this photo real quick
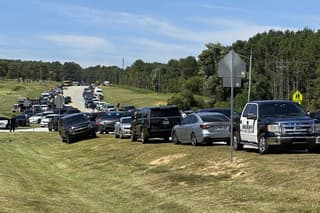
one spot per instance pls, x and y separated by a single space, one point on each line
78 40
221 7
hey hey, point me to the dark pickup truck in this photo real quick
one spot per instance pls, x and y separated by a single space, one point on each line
276 123
75 126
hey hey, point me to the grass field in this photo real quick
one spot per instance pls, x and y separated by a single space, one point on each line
38 173
10 91
134 96
41 174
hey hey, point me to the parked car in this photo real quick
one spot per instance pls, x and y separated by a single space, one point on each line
53 122
106 122
46 119
154 122
4 123
273 123
122 128
224 111
75 126
202 128
67 99
22 120
35 119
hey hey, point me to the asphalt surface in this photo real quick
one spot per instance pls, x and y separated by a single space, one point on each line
75 92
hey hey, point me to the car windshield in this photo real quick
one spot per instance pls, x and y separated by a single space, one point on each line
214 118
281 109
126 121
76 119
165 112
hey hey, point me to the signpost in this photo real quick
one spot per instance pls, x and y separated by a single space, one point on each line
59 102
231 69
297 97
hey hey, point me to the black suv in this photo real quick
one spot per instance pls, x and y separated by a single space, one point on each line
75 125
154 122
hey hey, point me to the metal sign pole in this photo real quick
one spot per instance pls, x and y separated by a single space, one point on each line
231 118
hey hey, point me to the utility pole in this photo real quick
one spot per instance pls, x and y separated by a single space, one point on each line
158 80
122 63
250 71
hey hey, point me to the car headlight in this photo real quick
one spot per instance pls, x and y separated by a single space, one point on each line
273 128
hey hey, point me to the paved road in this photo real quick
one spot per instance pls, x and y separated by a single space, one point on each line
75 92
45 129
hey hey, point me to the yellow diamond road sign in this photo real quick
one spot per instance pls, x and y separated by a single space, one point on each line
297 97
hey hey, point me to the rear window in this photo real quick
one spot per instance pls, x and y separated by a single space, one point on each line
164 112
214 118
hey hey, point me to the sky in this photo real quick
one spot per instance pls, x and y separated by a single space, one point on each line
104 32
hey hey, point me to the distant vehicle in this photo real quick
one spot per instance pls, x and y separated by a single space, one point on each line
75 126
46 119
106 83
22 120
122 128
53 122
154 122
35 119
127 108
4 123
276 123
202 128
67 83
106 122
67 100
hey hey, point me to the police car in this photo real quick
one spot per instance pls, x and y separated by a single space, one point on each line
282 123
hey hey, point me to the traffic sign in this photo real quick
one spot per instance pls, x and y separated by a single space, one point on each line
297 97
232 63
59 101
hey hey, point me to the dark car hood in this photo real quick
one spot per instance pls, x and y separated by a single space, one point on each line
284 119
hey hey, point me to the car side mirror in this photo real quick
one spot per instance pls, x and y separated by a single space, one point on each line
308 113
251 116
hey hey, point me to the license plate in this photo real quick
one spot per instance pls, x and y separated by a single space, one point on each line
166 122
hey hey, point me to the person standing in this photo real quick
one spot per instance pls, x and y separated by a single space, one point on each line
12 123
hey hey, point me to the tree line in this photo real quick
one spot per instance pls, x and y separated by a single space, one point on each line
283 61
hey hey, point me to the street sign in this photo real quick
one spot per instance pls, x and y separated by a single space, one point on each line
297 97
227 82
232 63
231 69
59 101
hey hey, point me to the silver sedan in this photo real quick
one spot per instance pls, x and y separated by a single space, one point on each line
202 128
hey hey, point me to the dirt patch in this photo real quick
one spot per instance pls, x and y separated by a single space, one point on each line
166 159
224 167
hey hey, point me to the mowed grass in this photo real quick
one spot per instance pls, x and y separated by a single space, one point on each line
10 91
40 174
134 96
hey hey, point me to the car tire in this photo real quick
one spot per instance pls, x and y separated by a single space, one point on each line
101 131
116 135
144 139
263 146
68 139
236 141
93 134
49 129
133 138
175 139
194 140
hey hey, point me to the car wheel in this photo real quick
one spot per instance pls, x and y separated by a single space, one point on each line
175 138
263 146
116 135
68 139
93 135
133 138
194 140
144 139
50 129
236 141
101 131
63 139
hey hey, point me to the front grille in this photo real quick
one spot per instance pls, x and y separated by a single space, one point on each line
297 127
